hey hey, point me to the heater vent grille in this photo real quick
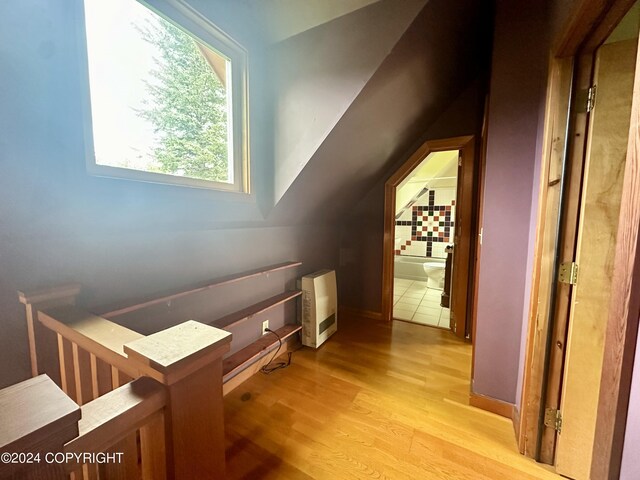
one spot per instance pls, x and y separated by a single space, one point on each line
327 323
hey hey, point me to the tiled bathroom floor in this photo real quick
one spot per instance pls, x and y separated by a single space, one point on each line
414 302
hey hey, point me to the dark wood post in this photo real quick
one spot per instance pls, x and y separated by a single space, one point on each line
187 359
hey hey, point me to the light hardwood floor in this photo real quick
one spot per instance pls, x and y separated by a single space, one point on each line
376 401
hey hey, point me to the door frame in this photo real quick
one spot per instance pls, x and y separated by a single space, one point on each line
466 186
585 30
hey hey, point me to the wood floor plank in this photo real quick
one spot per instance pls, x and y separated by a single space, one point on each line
376 401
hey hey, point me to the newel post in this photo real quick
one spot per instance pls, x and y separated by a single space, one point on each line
43 343
187 359
36 419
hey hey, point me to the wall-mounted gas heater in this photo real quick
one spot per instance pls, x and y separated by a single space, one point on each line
319 307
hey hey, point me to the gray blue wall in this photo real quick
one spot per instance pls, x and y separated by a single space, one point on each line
119 238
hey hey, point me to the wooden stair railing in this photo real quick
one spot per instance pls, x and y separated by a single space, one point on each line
53 438
98 356
91 357
96 364
43 345
134 410
90 352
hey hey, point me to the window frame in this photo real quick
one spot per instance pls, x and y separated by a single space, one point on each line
192 22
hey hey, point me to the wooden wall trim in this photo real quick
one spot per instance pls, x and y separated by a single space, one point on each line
493 405
608 22
389 226
482 163
622 324
515 418
589 26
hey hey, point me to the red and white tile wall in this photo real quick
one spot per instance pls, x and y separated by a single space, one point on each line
426 227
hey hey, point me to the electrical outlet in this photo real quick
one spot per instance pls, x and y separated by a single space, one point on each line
265 326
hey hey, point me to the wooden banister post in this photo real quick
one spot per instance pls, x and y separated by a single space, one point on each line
187 359
43 343
37 418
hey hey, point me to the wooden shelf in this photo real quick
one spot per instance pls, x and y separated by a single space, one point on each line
240 316
233 364
133 305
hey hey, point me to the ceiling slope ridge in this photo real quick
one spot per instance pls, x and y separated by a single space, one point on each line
317 75
284 19
438 58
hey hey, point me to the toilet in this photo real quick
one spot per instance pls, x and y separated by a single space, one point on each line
435 274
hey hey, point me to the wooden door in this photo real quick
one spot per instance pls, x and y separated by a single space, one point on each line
607 139
459 323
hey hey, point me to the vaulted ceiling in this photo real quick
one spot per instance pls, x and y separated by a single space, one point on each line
339 89
443 50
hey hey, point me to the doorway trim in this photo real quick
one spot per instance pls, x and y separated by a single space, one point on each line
465 144
585 30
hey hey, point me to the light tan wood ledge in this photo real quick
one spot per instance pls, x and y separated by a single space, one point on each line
179 351
70 290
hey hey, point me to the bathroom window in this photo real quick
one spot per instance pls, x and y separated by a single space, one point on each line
167 96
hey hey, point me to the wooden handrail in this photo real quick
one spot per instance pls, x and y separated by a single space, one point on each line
42 295
134 305
97 335
179 414
110 418
40 422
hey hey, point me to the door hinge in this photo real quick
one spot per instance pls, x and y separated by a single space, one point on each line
568 273
591 98
585 100
553 419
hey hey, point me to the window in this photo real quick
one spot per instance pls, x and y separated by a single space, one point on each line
166 105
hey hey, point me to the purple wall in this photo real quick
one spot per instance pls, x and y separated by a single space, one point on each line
333 61
361 238
518 78
438 56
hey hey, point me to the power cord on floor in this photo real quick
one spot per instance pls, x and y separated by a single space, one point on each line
269 367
